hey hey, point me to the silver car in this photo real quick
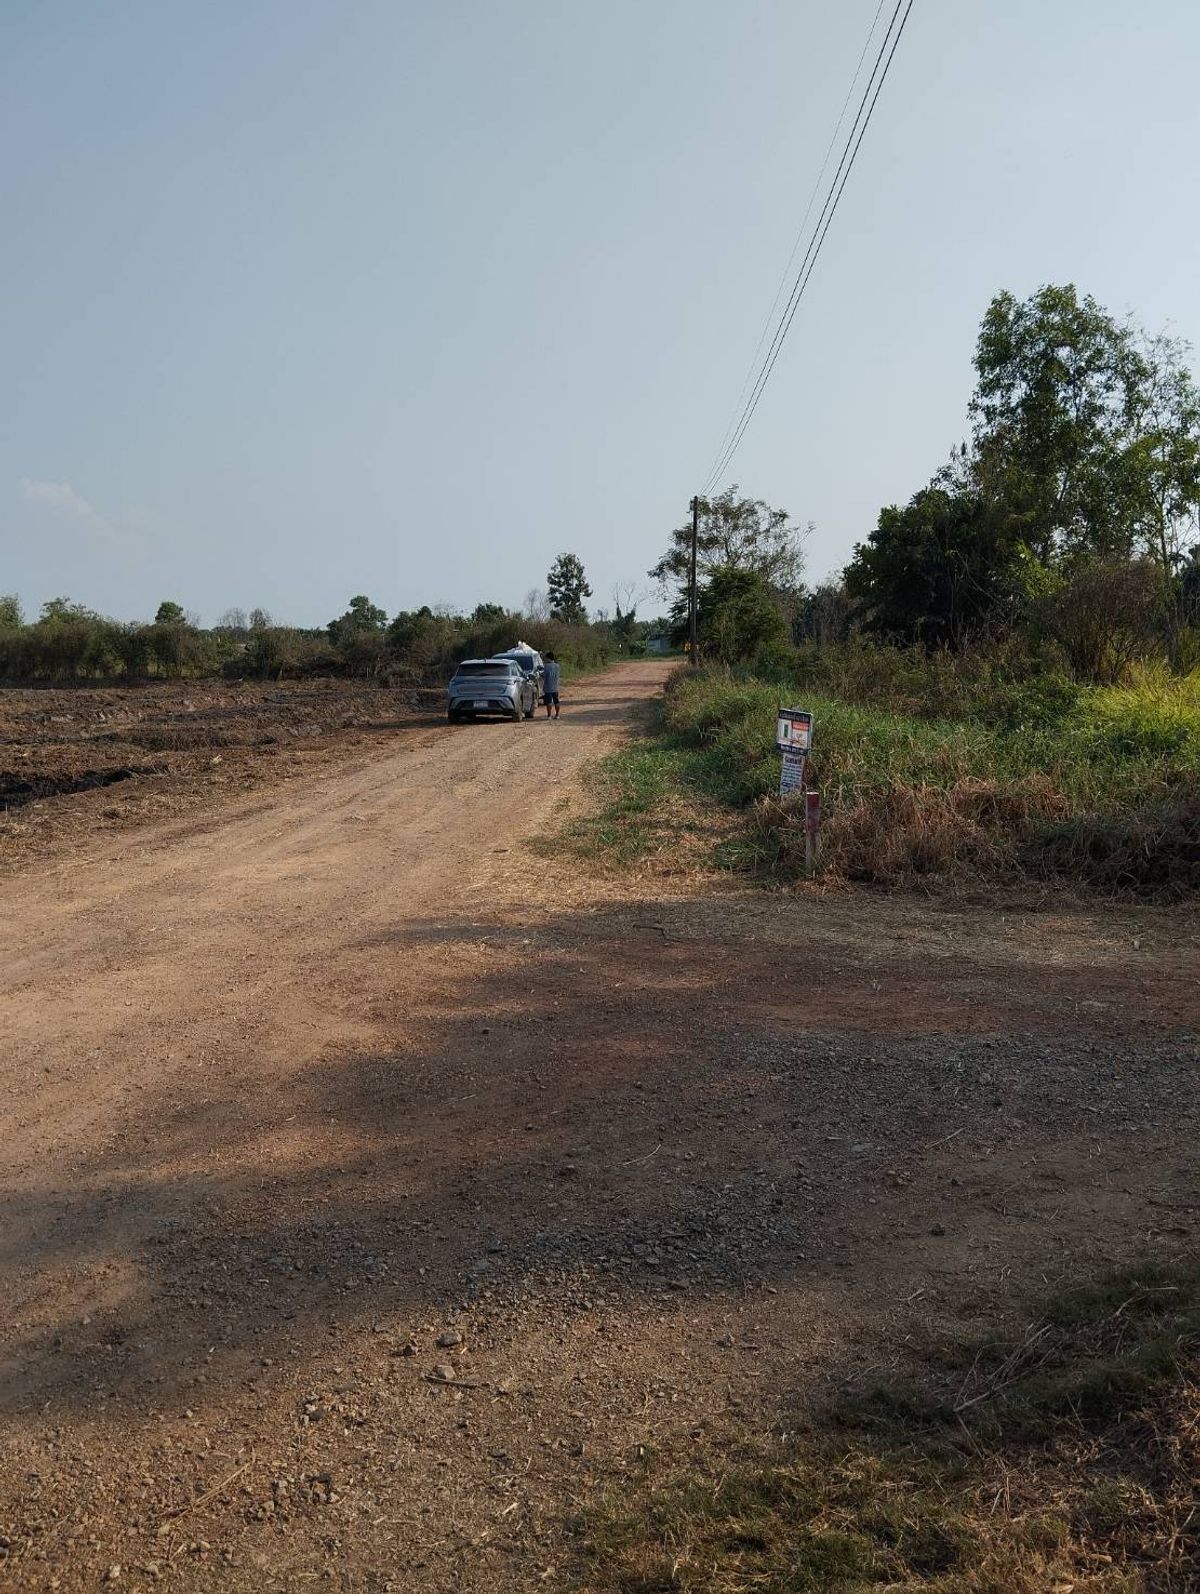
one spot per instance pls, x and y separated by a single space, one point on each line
530 661
491 686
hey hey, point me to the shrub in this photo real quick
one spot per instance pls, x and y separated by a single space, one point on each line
1105 615
131 647
433 644
739 617
902 832
278 651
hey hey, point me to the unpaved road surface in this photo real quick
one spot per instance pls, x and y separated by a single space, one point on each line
375 1190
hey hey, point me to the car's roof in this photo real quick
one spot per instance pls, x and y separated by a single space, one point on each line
461 662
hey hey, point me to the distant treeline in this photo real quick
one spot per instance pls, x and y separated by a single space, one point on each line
68 642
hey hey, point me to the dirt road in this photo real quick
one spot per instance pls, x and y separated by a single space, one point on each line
374 1189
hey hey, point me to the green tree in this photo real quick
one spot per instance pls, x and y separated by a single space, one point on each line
1163 456
736 534
170 614
739 617
68 635
485 613
167 647
1189 586
408 626
11 615
131 645
567 587
362 615
939 570
1060 383
63 609
827 614
364 650
421 638
624 624
1163 470
1085 452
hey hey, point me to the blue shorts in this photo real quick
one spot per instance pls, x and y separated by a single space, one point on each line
550 697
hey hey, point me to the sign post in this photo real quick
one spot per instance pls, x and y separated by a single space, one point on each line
793 740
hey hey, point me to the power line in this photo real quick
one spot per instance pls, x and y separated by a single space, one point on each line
874 81
800 231
837 187
806 272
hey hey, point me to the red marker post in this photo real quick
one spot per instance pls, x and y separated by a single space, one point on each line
812 830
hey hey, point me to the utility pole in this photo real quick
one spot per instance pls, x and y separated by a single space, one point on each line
692 650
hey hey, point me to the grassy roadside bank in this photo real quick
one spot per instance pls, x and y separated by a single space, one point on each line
1061 1458
922 778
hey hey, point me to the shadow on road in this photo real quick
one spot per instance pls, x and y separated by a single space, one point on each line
600 1097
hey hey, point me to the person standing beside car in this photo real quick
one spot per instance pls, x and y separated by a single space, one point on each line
550 684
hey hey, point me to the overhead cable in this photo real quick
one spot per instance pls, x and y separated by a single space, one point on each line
837 187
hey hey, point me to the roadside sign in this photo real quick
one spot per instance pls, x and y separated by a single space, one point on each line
793 738
793 731
791 776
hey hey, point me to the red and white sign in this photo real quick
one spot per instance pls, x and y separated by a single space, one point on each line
793 731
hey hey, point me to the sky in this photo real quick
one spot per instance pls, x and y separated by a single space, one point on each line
302 299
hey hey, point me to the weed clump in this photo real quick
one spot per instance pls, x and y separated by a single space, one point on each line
1061 1457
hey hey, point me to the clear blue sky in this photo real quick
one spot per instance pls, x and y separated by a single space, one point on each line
301 299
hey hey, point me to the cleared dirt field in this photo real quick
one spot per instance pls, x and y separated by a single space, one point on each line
81 761
377 1189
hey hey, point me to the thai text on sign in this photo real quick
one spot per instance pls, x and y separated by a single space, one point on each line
791 776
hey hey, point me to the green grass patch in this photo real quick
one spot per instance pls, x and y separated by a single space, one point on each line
663 800
629 790
1064 1456
1115 750
1036 779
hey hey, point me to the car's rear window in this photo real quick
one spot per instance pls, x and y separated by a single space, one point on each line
500 667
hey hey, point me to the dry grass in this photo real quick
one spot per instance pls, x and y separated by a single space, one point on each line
1156 852
1063 1458
905 833
642 820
